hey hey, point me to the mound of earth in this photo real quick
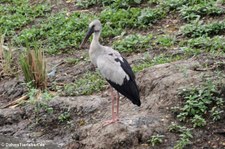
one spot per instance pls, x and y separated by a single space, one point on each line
159 86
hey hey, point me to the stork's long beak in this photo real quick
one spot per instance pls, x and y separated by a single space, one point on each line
89 32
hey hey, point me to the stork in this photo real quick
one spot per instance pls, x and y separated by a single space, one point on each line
114 68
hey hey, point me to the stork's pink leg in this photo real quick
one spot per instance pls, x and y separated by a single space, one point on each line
114 114
117 105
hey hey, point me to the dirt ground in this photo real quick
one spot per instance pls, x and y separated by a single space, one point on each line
159 89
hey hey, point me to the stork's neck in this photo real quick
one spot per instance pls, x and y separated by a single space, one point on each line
95 48
95 39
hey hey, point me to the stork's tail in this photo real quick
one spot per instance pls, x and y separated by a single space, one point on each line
129 89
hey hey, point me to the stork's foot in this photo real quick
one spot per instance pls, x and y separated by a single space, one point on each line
108 122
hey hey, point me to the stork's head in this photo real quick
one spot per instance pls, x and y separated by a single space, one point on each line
94 27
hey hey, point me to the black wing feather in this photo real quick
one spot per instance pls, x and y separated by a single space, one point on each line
129 87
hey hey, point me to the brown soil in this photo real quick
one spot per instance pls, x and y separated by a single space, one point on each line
84 129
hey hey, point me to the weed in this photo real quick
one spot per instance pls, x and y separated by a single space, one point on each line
73 61
198 121
112 3
216 112
198 29
18 14
7 62
199 101
184 140
1 44
88 3
190 51
39 99
89 83
165 41
61 31
120 18
173 4
213 44
173 127
161 59
33 66
185 135
193 12
154 2
156 139
64 117
126 3
6 58
149 16
133 43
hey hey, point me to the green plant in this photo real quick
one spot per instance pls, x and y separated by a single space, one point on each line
173 127
39 99
198 101
156 139
198 29
121 18
192 12
126 3
184 134
184 139
214 44
18 14
58 32
89 83
112 3
1 44
165 41
217 112
133 43
7 62
149 16
198 121
160 59
188 51
173 4
8 66
33 65
64 117
73 61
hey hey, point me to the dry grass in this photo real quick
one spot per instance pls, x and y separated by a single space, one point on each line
34 68
8 67
1 46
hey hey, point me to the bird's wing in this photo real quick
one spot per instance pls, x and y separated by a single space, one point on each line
114 68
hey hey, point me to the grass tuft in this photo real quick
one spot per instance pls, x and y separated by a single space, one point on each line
33 66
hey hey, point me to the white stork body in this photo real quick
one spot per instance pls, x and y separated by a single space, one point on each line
113 67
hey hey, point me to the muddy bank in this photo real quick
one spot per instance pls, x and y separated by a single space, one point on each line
77 122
